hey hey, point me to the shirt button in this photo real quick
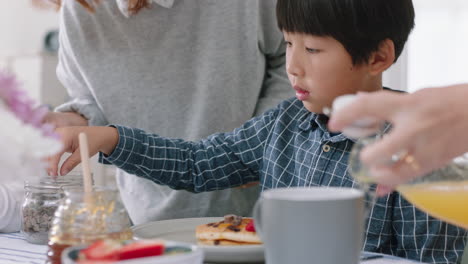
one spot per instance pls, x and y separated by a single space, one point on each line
326 148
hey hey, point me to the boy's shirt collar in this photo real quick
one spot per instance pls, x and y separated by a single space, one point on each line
319 121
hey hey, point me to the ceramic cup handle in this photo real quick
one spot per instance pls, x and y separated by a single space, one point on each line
257 215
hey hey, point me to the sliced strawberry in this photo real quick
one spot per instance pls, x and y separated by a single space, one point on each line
101 250
141 249
250 226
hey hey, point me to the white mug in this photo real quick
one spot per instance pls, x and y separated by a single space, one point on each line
319 225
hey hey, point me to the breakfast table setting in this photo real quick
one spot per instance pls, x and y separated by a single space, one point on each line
15 249
289 225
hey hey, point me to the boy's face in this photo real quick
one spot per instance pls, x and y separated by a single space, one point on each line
320 69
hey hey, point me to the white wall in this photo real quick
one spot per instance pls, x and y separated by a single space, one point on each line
22 26
438 47
396 77
437 51
22 29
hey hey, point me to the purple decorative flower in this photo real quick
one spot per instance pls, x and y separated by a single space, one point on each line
21 105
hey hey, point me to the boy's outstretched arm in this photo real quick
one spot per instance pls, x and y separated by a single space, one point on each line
220 161
100 139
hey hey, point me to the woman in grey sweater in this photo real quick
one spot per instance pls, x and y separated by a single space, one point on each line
179 68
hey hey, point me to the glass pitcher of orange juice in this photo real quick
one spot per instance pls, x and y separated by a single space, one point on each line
443 193
83 218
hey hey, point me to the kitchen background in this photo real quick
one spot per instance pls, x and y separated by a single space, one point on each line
436 54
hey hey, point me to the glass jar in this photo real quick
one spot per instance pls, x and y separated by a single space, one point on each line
361 173
83 218
41 199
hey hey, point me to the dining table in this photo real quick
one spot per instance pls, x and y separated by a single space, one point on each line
15 249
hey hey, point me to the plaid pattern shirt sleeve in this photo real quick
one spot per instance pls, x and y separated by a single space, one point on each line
286 147
221 161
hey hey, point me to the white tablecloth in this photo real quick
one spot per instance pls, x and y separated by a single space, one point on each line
15 249
386 259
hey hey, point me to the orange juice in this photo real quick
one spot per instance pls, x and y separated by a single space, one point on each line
444 200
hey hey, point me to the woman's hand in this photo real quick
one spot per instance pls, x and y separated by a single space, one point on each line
59 119
431 125
100 139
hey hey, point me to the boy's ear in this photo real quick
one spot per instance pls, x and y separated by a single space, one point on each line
383 58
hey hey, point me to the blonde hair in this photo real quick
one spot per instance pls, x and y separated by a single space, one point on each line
134 6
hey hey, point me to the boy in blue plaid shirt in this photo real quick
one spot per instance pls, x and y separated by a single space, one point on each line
334 47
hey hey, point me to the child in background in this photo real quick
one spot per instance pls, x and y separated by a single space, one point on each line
334 47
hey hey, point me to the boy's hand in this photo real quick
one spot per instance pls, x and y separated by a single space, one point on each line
100 139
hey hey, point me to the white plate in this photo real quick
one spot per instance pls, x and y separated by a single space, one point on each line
183 230
194 256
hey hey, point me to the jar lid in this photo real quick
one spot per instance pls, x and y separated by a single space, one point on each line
54 183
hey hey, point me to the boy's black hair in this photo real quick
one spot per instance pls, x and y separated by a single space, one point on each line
359 25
